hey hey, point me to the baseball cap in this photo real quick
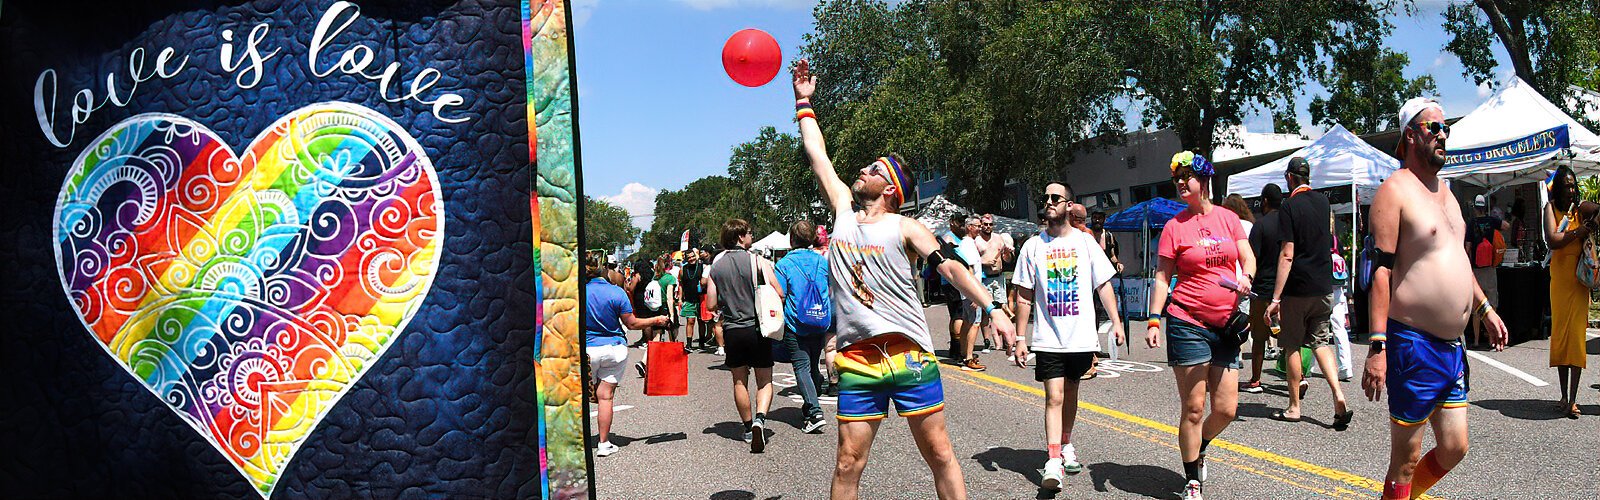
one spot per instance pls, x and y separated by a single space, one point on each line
1414 107
1480 202
1299 166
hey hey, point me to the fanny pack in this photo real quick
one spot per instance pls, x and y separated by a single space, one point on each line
1236 329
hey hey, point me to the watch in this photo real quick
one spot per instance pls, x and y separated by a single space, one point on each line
991 307
1377 346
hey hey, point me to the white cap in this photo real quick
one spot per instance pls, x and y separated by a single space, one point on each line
1480 202
1414 107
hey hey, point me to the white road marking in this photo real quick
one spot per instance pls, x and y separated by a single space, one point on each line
614 409
1508 369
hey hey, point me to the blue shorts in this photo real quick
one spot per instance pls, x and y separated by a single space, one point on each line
1189 344
1425 373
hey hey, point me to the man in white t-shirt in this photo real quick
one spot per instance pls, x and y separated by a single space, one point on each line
1056 275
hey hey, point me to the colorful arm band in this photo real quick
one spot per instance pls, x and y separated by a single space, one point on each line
1154 322
805 113
1378 337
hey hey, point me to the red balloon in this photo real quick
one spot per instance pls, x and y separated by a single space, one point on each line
751 57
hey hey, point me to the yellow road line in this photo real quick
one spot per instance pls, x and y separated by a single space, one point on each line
1300 465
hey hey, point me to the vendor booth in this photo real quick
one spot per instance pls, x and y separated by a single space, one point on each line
1338 158
1147 219
1512 140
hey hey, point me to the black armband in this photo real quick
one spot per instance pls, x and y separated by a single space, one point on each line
1381 259
946 251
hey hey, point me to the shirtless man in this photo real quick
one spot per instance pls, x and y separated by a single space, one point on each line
1422 296
998 250
885 352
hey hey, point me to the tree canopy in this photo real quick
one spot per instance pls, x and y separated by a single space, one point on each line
606 226
1552 44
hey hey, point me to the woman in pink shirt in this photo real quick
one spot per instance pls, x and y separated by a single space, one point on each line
1202 245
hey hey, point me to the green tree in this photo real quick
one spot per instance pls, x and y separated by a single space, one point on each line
1366 83
1203 65
1552 44
606 226
771 167
701 207
982 91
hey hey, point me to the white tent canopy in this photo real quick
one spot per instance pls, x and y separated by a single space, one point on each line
774 241
1511 138
1338 158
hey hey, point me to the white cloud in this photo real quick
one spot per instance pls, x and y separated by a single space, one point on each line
723 4
639 200
1485 90
581 10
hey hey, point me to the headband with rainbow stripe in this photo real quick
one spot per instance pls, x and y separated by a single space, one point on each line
897 177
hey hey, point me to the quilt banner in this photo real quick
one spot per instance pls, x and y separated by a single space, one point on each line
269 248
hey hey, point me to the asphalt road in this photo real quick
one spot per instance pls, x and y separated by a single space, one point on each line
691 447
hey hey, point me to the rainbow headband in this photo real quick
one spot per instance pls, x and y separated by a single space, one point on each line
897 176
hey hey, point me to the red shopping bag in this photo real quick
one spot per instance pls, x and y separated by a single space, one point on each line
666 370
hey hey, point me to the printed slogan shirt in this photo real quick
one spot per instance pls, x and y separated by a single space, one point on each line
1063 273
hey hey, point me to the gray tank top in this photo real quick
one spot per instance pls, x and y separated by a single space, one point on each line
871 282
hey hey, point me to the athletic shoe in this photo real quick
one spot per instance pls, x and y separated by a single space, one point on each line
640 367
972 365
721 352
1251 387
605 449
1069 460
1272 353
814 425
748 436
1054 475
758 435
1191 491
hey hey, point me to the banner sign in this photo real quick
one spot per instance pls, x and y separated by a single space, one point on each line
1537 144
269 245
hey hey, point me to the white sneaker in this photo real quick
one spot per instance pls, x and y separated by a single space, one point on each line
1191 491
1053 474
1069 460
605 449
720 352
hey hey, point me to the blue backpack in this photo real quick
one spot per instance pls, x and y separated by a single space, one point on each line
813 309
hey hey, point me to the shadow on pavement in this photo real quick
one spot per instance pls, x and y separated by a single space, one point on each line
1146 480
788 415
624 441
1024 462
1523 409
738 495
730 430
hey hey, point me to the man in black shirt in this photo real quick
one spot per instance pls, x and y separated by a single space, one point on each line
1264 240
1303 291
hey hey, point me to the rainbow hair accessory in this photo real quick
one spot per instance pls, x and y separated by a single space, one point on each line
1196 163
897 177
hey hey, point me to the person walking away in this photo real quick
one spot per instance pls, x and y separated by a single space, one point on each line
1267 243
639 285
1302 293
885 351
1058 274
1421 296
1567 225
1486 247
1204 247
734 277
807 316
606 311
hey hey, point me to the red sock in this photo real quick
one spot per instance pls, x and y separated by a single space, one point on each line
1396 491
1429 472
1055 450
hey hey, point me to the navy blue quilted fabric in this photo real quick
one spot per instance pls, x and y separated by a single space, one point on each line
446 412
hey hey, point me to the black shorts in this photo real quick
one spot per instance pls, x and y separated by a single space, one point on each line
746 347
1068 365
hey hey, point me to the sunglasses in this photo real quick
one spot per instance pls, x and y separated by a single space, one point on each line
1182 176
1433 127
880 170
1051 199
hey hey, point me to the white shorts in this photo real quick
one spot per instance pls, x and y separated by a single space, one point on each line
608 362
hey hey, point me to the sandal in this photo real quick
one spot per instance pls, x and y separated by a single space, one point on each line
1573 411
1280 416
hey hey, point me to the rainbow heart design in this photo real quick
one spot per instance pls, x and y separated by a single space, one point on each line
249 293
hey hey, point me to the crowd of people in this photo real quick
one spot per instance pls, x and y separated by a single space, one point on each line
1225 277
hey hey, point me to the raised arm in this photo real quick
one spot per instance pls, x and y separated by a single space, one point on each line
833 189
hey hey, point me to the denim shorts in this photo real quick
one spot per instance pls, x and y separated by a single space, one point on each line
1189 344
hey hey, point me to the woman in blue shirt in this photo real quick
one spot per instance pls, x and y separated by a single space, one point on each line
606 311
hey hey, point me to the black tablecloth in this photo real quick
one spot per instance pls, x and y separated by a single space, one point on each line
1525 302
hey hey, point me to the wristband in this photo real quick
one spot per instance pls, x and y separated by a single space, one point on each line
1154 322
1377 337
805 113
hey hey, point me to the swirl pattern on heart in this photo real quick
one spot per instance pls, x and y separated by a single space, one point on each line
250 292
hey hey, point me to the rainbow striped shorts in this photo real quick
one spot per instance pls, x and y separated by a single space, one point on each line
887 368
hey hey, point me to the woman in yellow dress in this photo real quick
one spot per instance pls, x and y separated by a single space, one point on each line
1569 299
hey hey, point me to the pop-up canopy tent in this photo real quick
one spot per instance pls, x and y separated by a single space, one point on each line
1153 213
1513 137
936 215
1338 158
774 241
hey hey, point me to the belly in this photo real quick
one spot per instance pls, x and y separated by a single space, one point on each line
1435 294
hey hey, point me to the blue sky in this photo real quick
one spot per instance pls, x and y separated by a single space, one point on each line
656 110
